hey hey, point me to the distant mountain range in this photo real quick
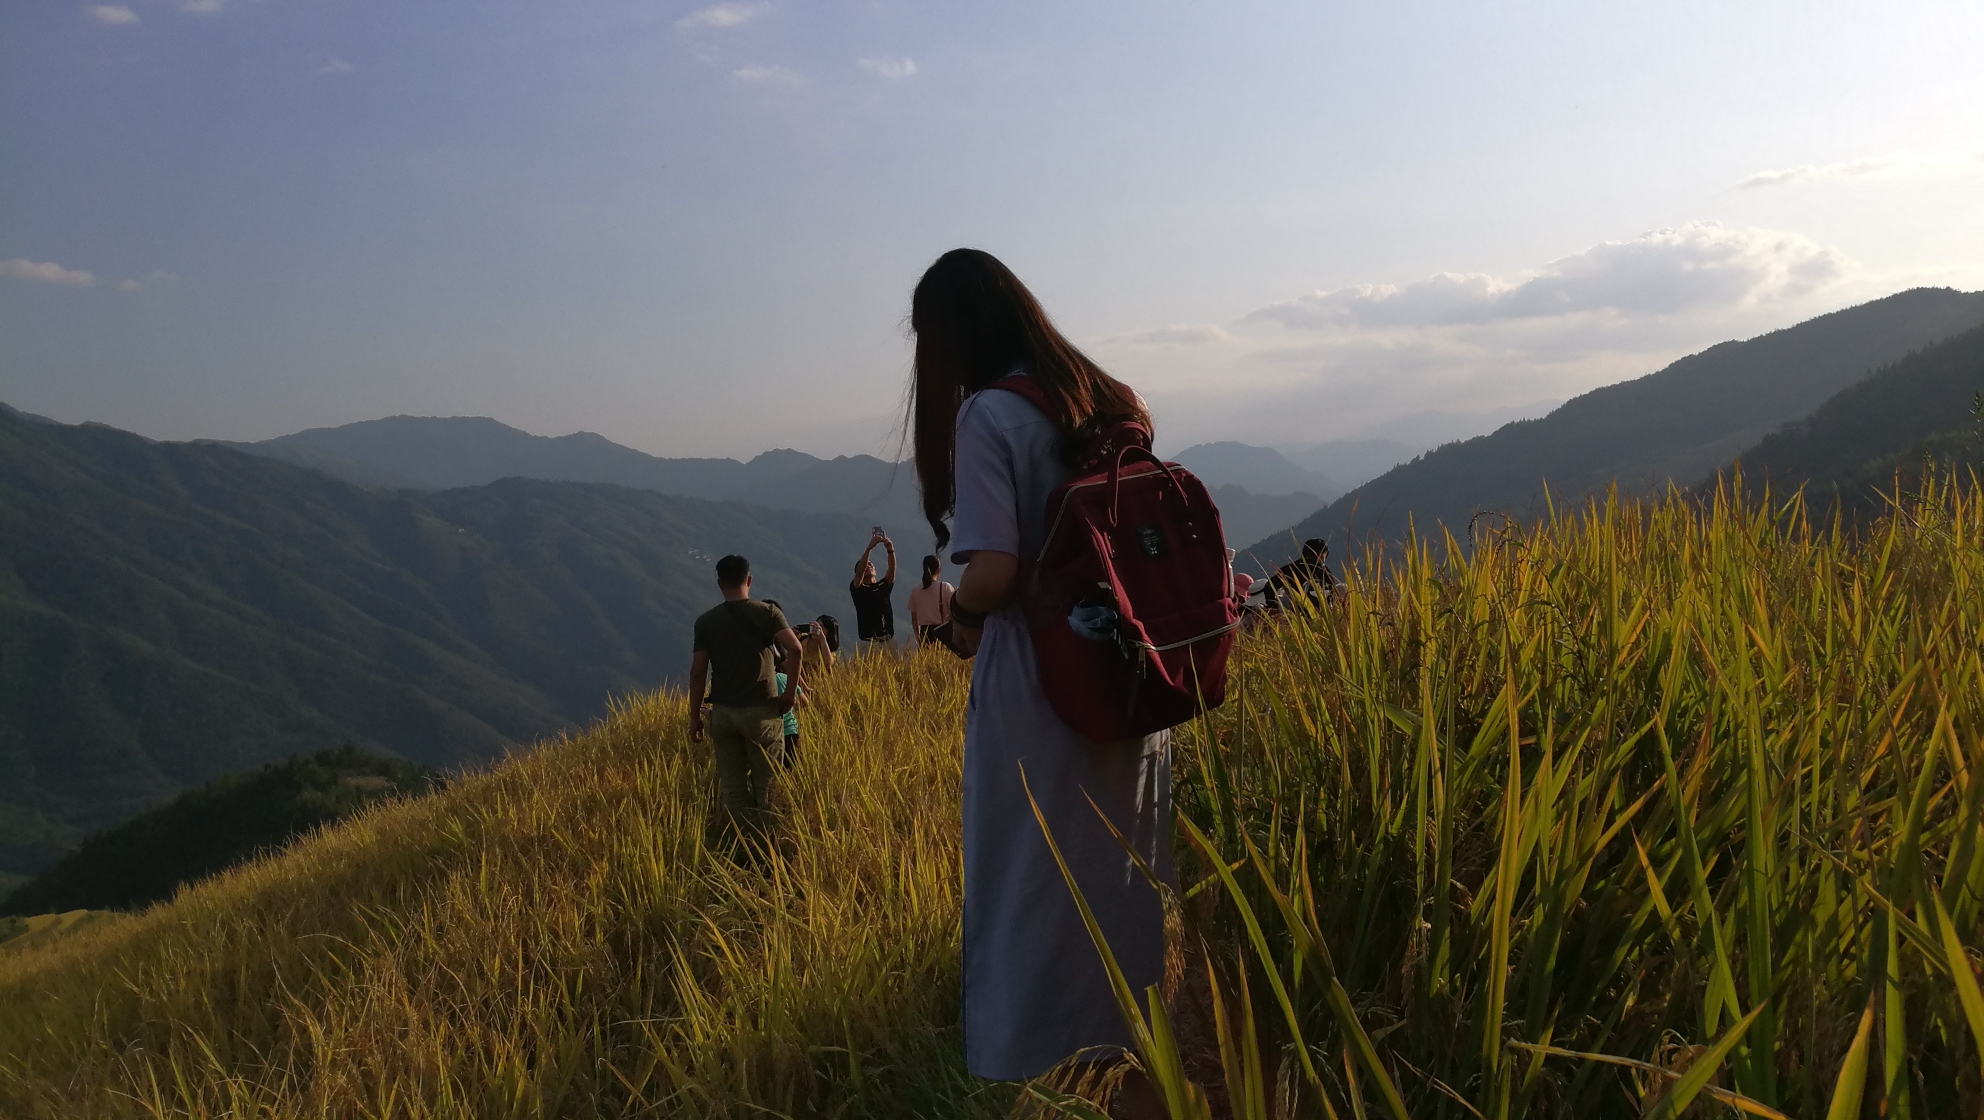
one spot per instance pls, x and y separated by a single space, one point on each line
1258 490
1677 425
172 612
1350 463
1259 470
441 453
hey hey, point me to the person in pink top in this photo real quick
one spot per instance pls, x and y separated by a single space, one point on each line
930 603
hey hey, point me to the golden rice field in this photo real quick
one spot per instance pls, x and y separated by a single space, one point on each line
1668 809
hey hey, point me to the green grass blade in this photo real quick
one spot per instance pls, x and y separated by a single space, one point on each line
1734 1100
1258 940
1968 996
1851 1084
1894 1026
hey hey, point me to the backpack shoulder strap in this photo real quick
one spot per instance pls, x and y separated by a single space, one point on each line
1102 446
1019 384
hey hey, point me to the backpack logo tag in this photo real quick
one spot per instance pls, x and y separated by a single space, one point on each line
1150 542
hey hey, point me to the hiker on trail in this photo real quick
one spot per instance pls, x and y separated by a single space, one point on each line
1035 991
930 603
1305 578
874 616
790 749
746 727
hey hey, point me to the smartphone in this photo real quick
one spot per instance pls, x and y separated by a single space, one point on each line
878 533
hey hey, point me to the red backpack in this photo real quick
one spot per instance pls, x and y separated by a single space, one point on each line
1130 602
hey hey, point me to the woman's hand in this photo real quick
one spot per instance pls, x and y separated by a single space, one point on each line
990 581
965 639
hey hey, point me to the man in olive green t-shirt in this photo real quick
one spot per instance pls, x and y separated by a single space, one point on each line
733 654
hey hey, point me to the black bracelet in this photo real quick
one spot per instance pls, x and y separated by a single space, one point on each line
962 615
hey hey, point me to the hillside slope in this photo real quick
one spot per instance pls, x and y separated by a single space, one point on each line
1856 441
558 938
213 827
1510 861
1677 424
172 612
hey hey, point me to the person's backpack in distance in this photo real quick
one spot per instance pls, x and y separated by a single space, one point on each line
1130 602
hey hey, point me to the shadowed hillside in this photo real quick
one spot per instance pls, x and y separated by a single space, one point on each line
213 827
1675 425
173 612
1925 405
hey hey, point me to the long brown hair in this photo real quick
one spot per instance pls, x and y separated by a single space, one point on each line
975 323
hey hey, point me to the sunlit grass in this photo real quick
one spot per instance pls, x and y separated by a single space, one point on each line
565 936
1638 806
1647 809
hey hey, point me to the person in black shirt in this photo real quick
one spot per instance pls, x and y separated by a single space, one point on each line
874 616
1307 578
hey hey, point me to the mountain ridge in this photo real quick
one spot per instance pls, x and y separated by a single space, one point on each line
1851 449
1675 424
170 612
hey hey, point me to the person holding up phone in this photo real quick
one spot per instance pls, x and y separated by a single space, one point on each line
874 614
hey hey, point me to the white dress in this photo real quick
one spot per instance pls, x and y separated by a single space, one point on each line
1035 992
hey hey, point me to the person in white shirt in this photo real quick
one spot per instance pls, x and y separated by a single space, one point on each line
930 603
1035 993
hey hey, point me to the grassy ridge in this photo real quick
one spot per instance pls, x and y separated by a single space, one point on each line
1630 813
554 938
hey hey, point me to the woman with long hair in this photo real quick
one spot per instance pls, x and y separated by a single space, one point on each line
930 601
1035 992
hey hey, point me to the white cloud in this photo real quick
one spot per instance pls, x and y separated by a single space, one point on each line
158 277
333 67
1892 166
723 15
111 14
884 66
767 75
1346 362
1703 265
1821 172
1196 334
46 272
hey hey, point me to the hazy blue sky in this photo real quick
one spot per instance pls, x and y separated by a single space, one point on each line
693 229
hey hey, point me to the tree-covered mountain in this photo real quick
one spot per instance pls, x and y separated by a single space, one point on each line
173 612
1674 425
1929 404
212 827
